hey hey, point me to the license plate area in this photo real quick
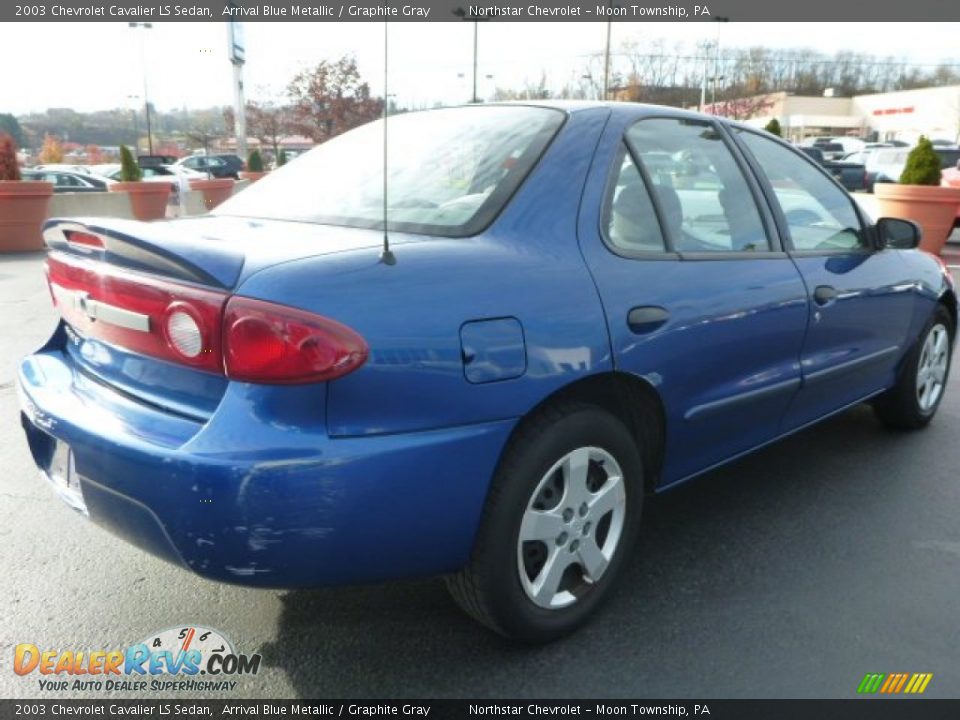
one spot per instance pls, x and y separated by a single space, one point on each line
61 473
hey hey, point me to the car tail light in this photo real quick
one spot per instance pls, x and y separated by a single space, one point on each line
141 313
248 340
269 343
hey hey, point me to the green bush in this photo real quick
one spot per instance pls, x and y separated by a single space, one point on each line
282 158
9 170
254 161
923 165
773 127
129 169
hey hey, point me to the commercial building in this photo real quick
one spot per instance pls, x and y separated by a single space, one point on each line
904 115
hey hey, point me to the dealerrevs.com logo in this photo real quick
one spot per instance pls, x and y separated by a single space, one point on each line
184 653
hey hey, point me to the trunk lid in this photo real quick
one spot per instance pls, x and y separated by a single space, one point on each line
115 283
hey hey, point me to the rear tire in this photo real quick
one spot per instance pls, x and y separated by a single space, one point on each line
562 513
913 401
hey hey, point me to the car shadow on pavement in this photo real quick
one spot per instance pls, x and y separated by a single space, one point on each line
718 591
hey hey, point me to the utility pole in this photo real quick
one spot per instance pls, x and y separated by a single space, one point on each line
237 54
143 63
475 19
606 60
476 25
716 60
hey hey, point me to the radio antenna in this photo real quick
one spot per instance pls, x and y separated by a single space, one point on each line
386 256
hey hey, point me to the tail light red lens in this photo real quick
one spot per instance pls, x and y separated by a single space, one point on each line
134 311
248 340
269 343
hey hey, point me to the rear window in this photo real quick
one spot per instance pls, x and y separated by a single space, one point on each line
450 172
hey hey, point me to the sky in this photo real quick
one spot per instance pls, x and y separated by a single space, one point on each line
94 66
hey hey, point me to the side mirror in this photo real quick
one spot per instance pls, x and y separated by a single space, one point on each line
898 234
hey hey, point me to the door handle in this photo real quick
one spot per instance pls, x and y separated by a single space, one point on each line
824 294
646 318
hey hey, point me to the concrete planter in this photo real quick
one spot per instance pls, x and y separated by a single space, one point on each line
215 191
23 208
252 176
933 208
148 200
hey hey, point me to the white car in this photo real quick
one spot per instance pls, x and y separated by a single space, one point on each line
63 167
177 175
885 165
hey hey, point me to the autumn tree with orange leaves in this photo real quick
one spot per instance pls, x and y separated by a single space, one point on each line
331 99
52 151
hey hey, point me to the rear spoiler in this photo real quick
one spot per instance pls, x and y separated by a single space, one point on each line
157 248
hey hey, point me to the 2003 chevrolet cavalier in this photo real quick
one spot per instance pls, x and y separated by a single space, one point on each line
588 303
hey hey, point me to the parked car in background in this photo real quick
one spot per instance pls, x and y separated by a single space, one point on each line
178 176
65 181
219 166
268 395
852 175
84 169
830 150
886 166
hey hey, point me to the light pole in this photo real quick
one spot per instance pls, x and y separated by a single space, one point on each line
716 60
606 59
464 15
143 63
134 101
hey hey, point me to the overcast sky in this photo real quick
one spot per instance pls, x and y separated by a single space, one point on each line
90 66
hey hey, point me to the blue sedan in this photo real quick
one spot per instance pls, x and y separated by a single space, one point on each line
580 304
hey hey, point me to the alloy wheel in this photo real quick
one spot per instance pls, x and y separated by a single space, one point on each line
571 527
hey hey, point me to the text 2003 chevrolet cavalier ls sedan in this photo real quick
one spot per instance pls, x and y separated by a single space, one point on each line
588 303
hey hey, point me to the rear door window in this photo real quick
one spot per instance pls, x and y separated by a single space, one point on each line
705 201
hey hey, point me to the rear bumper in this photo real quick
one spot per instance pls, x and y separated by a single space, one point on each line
259 494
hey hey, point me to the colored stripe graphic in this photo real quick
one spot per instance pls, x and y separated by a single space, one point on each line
895 683
871 682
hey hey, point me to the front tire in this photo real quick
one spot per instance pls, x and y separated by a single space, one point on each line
562 513
914 400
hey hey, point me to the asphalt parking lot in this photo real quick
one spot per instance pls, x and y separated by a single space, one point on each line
791 573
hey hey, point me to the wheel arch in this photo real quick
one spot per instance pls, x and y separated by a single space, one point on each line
949 300
631 399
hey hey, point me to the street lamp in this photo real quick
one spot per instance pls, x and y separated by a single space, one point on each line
464 15
143 63
134 101
716 60
606 57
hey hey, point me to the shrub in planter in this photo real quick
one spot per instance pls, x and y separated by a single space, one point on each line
254 169
23 203
919 197
282 158
923 165
148 200
773 127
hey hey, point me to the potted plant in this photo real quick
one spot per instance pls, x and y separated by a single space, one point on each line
254 169
148 200
920 197
215 190
23 204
